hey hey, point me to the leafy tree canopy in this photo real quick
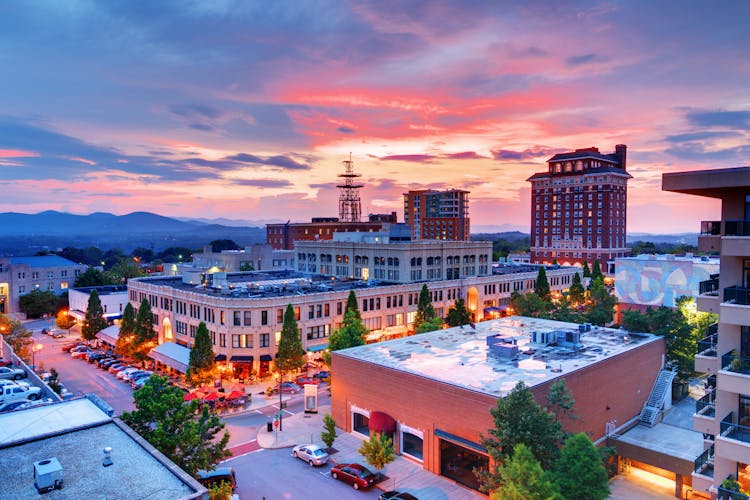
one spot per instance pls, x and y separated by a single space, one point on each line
37 303
17 336
602 306
124 270
577 292
425 311
529 304
431 325
579 472
221 245
187 435
94 321
586 270
202 363
596 271
378 450
541 286
524 479
93 277
458 314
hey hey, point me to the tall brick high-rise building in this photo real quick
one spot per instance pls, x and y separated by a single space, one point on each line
579 207
437 215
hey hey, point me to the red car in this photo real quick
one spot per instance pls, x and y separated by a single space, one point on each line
357 475
5 362
306 380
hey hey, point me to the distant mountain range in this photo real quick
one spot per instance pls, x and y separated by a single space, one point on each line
26 234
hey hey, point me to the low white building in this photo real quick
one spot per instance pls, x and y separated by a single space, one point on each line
113 299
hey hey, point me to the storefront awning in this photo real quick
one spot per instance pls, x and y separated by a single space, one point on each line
220 357
382 422
171 354
317 348
266 357
241 359
459 440
109 334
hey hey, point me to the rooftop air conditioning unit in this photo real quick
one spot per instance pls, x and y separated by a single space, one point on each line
543 338
48 475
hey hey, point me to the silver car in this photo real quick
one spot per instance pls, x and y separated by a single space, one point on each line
310 453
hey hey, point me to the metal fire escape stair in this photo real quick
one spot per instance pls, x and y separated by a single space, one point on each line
655 402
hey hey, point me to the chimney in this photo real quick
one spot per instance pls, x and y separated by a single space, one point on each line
621 154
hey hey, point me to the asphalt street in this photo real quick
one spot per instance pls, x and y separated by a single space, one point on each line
78 376
259 475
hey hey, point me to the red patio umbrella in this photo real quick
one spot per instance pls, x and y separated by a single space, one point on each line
191 396
235 395
211 397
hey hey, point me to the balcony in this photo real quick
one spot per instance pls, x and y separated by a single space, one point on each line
725 494
707 357
709 287
704 420
703 470
734 308
734 373
709 240
733 440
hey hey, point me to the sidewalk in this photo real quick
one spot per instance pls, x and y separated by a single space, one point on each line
401 474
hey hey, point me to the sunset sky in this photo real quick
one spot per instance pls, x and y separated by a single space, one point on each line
245 110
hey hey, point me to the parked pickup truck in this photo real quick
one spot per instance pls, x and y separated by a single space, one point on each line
15 392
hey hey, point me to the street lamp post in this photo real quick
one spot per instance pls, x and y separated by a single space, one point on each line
34 349
281 378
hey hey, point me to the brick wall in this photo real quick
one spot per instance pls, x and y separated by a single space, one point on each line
613 389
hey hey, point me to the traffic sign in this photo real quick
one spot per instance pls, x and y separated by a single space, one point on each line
276 423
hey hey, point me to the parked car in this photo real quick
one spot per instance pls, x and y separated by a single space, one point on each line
5 362
397 495
216 476
80 354
45 331
131 369
300 381
12 373
138 383
310 453
4 382
322 375
138 373
357 475
14 393
286 388
118 367
13 405
57 335
68 347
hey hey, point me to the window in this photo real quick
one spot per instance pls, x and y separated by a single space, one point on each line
222 340
264 317
236 321
279 315
263 340
247 317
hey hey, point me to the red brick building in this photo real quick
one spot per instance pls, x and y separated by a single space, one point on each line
438 215
434 392
283 236
579 208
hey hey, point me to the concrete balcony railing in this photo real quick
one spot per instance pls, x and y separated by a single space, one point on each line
727 237
704 418
733 441
734 373
706 361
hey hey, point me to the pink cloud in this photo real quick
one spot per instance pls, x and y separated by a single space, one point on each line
17 153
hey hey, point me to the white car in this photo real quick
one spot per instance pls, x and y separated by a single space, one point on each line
310 453
21 383
122 373
12 373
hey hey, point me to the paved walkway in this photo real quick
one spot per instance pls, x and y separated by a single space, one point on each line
401 474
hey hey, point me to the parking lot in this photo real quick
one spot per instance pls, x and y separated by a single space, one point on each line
81 377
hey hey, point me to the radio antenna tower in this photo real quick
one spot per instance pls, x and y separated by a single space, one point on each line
350 208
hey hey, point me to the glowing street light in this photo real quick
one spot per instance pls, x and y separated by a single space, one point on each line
34 349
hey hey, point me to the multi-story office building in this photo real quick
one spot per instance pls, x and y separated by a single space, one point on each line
21 275
244 311
373 256
723 414
579 207
437 215
283 236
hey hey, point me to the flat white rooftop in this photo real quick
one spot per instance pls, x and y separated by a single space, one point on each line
646 257
461 356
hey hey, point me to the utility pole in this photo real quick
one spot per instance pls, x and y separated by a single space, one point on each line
281 378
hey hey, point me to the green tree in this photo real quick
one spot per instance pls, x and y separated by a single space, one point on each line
596 271
560 401
123 270
524 479
425 311
636 321
64 320
458 314
602 308
579 472
17 336
143 331
142 254
378 450
220 491
201 367
94 321
586 270
541 286
351 334
221 245
577 292
124 344
565 313
519 419
431 325
54 381
92 277
329 435
291 354
352 305
529 304
37 302
246 266
187 435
